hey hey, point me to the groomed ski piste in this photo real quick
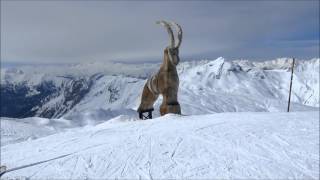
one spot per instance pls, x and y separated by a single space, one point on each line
248 145
234 126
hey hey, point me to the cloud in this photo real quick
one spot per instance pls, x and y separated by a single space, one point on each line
77 31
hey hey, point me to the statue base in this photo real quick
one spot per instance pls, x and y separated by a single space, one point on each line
146 114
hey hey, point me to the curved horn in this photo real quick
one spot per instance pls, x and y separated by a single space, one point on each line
167 26
179 29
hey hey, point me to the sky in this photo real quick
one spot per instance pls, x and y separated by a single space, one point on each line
57 31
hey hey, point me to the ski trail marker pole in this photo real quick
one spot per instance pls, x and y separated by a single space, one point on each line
292 67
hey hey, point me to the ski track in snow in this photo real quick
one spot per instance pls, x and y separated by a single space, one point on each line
224 145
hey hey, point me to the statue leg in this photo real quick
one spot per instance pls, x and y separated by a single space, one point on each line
147 100
170 103
174 108
170 108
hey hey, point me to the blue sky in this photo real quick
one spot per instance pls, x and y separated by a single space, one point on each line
82 31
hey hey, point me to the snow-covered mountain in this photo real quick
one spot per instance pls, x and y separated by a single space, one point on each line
206 86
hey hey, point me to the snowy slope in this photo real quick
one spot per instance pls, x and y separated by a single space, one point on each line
17 130
216 86
223 86
225 145
13 131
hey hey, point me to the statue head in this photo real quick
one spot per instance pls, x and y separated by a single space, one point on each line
173 49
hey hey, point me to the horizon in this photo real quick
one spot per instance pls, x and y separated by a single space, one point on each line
17 65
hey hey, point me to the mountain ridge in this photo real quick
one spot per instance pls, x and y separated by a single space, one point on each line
205 86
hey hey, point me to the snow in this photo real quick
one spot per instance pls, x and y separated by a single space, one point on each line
248 145
206 86
234 124
18 130
216 86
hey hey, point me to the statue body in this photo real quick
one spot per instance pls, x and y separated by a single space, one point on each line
166 81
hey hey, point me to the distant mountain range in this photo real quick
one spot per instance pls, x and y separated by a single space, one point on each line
206 86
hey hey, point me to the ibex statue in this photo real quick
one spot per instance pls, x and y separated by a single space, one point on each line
166 80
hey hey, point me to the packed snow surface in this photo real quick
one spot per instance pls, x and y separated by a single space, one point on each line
225 145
